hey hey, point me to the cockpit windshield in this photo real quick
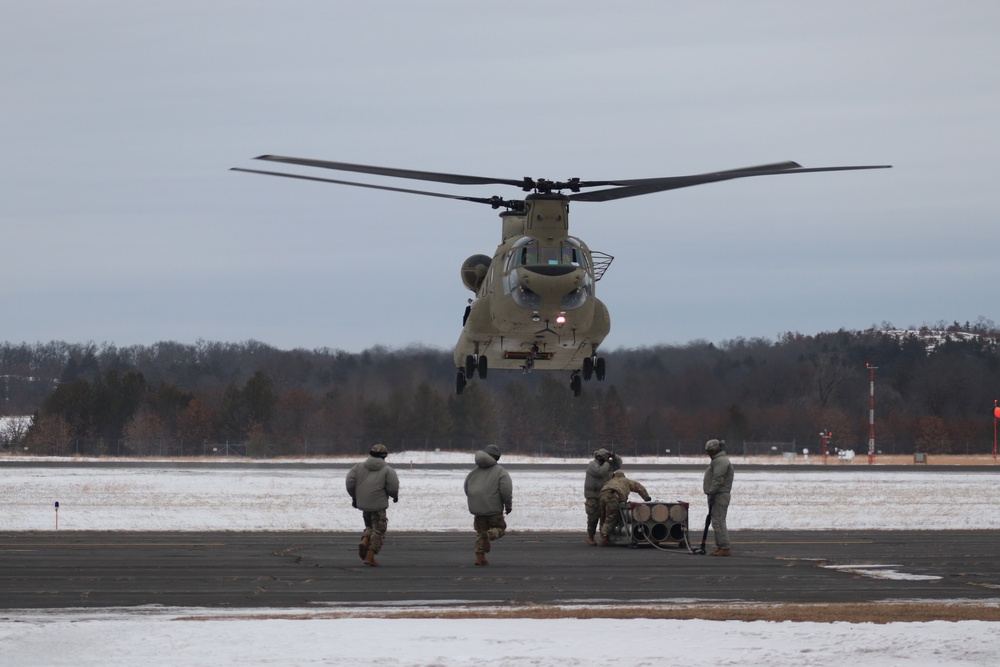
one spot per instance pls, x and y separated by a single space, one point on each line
528 252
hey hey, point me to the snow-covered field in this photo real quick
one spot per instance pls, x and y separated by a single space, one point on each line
280 498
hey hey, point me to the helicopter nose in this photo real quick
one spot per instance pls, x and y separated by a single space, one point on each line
552 281
552 270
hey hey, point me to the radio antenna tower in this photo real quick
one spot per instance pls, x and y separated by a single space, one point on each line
871 413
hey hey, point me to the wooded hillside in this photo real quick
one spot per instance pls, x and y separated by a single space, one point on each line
934 392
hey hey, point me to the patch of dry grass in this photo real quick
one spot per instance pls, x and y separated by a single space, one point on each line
932 459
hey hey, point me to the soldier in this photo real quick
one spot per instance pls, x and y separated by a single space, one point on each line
613 494
717 486
599 473
490 493
371 483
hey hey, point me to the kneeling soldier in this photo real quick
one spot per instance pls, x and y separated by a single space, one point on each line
613 494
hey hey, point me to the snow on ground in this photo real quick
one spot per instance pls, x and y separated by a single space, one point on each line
170 638
281 498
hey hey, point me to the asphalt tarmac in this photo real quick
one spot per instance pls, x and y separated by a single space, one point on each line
294 569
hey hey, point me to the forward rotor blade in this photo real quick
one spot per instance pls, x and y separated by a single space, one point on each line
495 202
774 167
455 179
645 186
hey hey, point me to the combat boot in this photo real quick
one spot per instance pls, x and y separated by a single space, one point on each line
481 558
370 558
591 541
605 542
486 541
721 551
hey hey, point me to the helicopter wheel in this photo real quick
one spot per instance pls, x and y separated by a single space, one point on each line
483 366
575 384
470 366
459 382
599 369
588 367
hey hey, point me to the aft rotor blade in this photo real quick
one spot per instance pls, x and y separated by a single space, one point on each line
495 202
774 167
455 179
645 186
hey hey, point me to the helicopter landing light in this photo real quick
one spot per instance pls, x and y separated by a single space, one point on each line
561 319
535 317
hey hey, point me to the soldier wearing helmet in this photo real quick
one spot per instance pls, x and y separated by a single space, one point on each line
599 473
613 494
490 493
718 485
370 484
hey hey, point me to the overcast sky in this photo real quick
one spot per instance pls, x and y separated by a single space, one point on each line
122 224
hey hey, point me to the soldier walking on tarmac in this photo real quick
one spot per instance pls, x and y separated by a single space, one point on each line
489 492
371 483
717 486
599 473
613 494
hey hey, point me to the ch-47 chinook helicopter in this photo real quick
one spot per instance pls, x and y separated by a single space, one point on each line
535 305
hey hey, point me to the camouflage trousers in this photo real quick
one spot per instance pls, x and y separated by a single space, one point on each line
609 504
593 507
376 523
492 527
720 507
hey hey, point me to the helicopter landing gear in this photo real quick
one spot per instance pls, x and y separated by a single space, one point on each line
460 381
593 366
476 363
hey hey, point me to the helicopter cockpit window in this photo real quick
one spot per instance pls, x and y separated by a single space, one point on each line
572 253
526 252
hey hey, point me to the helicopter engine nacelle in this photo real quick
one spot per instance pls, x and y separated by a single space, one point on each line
474 271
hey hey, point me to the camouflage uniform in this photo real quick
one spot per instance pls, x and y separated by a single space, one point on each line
488 528
376 523
599 473
489 492
370 484
613 494
717 485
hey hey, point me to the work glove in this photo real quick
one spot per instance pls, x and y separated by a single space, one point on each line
395 499
647 499
508 509
354 502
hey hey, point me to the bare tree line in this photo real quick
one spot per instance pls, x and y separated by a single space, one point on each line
934 393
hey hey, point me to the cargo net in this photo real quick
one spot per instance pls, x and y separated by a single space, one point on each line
662 525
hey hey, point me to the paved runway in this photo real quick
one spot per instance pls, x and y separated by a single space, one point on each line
294 569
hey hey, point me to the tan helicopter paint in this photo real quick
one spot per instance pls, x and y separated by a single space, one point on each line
504 331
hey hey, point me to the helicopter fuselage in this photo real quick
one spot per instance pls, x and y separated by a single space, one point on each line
535 305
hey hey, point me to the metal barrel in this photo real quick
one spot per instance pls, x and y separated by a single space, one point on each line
659 532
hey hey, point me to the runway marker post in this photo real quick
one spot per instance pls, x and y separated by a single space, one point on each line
57 515
996 415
